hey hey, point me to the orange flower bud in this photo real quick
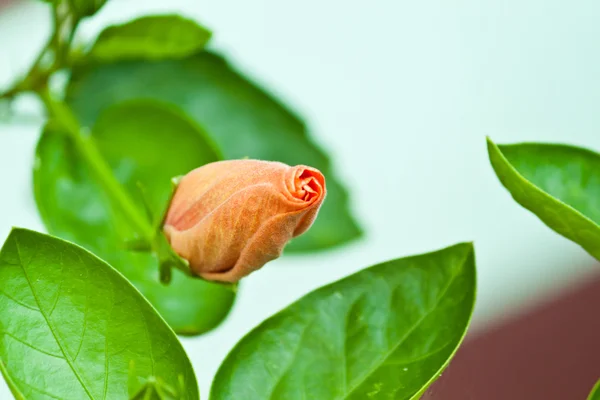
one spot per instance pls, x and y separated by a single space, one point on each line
230 218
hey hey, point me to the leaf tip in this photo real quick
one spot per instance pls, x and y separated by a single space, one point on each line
467 248
16 231
491 145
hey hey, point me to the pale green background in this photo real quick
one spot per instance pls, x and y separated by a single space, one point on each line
402 93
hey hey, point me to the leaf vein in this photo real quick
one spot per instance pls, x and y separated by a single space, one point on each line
30 386
58 342
383 359
85 312
11 335
420 358
151 353
55 303
296 350
106 357
19 302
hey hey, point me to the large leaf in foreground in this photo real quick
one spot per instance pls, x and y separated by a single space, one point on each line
558 183
383 333
72 326
152 37
143 142
242 119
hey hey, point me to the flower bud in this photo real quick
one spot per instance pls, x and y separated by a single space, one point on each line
230 218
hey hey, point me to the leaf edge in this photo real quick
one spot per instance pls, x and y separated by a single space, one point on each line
18 230
496 157
468 256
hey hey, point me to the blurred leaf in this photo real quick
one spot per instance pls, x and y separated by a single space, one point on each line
383 333
71 325
78 8
142 141
85 8
242 119
595 393
150 38
560 184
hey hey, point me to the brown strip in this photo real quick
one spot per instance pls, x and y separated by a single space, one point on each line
550 353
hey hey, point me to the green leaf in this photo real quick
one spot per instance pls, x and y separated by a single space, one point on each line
383 333
242 119
85 8
78 8
560 184
70 325
150 38
595 393
143 142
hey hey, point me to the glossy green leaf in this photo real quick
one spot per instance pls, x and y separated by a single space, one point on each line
142 141
595 393
150 38
558 183
242 119
71 325
383 333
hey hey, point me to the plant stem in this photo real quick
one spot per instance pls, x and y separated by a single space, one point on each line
37 76
94 160
36 80
151 237
148 236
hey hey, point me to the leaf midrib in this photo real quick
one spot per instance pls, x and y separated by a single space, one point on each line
382 360
73 368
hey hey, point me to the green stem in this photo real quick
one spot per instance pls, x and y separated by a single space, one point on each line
149 237
37 76
94 160
34 78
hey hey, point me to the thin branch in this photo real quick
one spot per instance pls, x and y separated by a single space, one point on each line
36 79
37 76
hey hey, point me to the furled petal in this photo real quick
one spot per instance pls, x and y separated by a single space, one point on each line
229 218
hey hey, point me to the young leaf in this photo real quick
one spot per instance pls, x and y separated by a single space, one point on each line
85 8
560 184
150 38
595 393
242 119
143 142
383 333
77 9
71 325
